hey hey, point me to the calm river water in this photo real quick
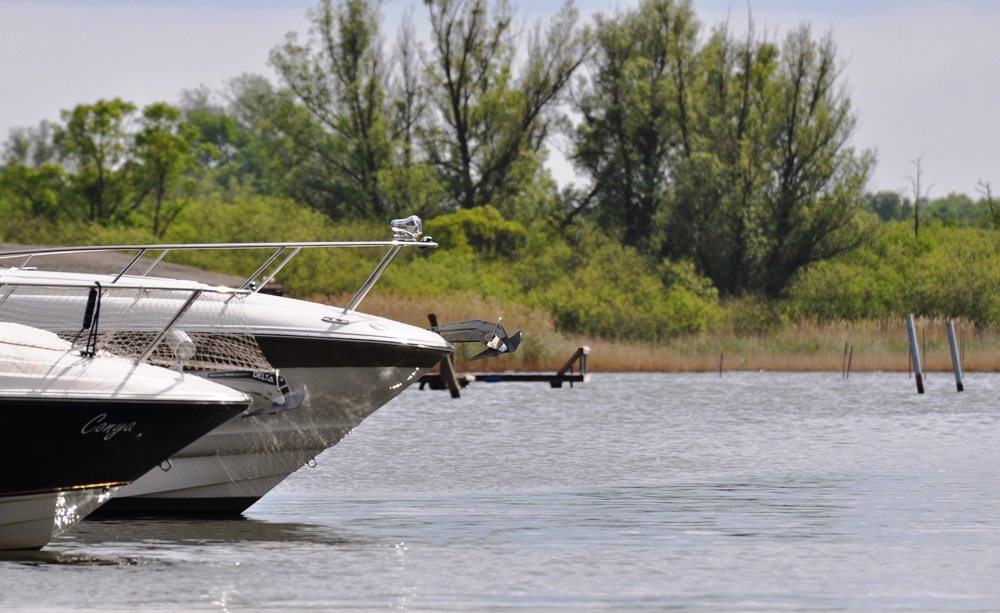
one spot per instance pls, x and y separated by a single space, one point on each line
756 491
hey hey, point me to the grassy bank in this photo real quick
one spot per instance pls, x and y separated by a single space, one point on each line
873 346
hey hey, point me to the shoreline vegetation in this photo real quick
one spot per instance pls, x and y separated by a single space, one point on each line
608 300
795 347
743 341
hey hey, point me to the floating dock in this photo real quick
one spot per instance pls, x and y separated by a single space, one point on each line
449 380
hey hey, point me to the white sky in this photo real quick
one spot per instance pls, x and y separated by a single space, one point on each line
922 71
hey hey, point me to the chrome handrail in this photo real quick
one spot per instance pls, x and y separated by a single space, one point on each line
405 233
14 253
195 289
69 283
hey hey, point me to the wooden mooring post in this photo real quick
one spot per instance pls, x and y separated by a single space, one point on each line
914 353
956 364
447 367
579 356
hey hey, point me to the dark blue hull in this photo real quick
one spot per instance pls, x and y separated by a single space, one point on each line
70 443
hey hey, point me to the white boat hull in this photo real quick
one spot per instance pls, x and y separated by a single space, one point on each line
236 464
339 366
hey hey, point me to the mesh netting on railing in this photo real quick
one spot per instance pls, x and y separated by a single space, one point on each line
213 334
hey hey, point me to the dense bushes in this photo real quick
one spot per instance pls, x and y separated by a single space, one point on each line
601 288
947 272
482 229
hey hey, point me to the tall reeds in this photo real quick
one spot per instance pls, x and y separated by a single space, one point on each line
805 346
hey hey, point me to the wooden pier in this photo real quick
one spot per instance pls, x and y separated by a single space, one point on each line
449 380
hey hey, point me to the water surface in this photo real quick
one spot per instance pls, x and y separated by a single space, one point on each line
756 491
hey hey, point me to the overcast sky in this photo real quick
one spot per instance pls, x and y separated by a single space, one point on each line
923 72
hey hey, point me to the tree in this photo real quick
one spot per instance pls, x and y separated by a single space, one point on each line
236 141
33 147
338 77
286 153
32 176
919 196
636 112
96 144
410 180
219 136
489 118
37 192
887 205
993 213
732 154
163 150
814 209
113 163
956 210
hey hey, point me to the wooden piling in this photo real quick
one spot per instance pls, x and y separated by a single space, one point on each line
914 353
447 366
956 365
580 356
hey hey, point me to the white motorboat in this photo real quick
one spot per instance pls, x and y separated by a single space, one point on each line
85 424
315 371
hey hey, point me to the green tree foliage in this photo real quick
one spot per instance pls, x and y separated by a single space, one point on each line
163 150
33 192
338 77
814 210
947 272
989 203
889 206
952 210
32 181
102 164
266 159
634 113
33 147
463 125
956 209
599 287
731 154
490 116
230 148
96 144
717 165
410 181
591 285
482 230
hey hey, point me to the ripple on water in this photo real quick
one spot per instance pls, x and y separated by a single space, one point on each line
758 491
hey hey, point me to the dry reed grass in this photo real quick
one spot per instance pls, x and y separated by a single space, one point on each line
872 346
